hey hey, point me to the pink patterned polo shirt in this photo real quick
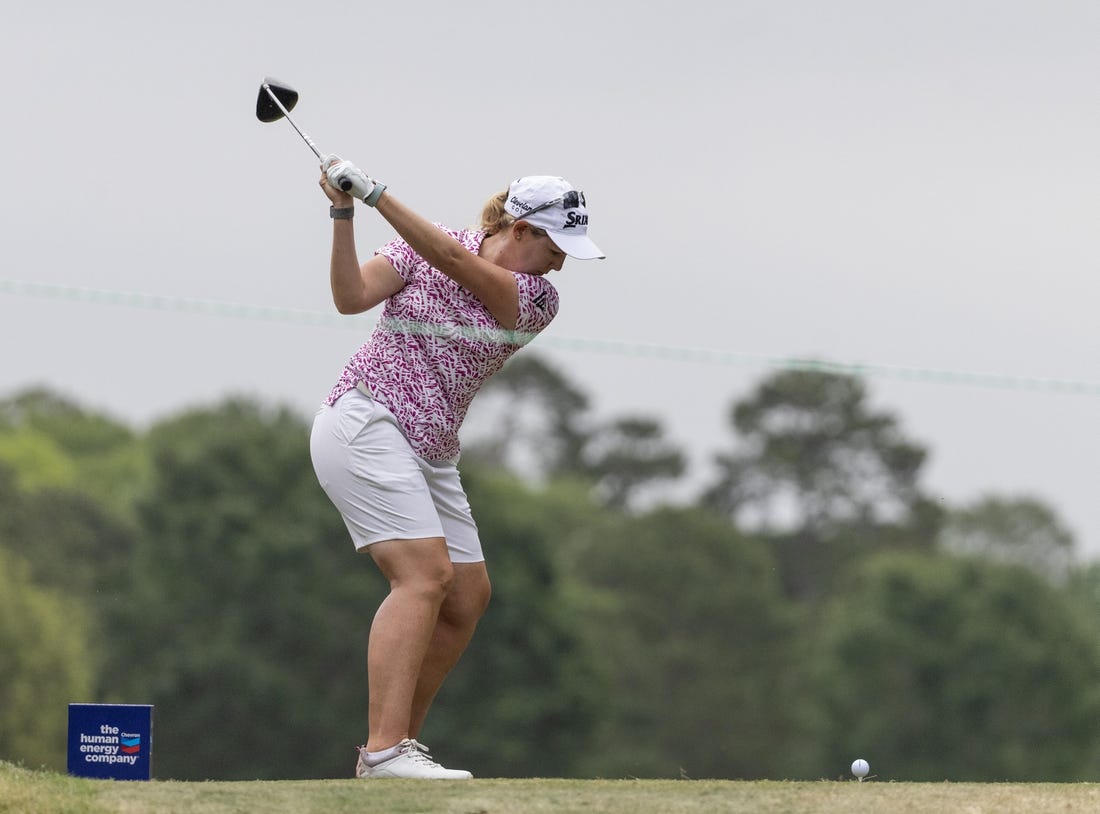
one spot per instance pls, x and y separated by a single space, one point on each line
436 344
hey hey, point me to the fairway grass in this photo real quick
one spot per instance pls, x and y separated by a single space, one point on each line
29 792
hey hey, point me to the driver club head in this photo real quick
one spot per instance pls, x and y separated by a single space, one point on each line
275 102
267 109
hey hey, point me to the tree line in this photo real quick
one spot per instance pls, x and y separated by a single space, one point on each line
811 604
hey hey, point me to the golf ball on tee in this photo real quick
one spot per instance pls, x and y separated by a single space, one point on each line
860 767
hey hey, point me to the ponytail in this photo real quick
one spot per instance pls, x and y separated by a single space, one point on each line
494 218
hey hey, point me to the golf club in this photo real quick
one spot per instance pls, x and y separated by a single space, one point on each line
275 102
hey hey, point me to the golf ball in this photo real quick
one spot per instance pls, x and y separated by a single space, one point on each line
860 767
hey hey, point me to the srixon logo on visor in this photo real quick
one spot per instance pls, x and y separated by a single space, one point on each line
572 200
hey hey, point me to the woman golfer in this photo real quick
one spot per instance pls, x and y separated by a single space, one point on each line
385 445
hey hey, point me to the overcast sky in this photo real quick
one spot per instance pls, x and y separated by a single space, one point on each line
893 184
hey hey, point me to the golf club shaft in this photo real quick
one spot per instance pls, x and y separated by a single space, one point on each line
301 133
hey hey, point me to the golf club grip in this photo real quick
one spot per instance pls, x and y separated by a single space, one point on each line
345 185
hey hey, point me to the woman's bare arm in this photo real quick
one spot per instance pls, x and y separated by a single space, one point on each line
357 288
493 285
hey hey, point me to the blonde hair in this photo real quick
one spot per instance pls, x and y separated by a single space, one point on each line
494 218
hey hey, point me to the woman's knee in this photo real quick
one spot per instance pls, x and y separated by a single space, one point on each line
434 580
417 565
469 595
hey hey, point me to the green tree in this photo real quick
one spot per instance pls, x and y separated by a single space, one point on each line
71 542
813 453
36 459
80 432
529 419
533 422
45 664
1083 585
693 630
941 668
822 474
76 548
53 442
1022 530
68 511
630 455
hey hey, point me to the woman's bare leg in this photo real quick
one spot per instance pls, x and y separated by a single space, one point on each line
458 617
420 575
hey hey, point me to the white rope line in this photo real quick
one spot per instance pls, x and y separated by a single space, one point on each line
704 356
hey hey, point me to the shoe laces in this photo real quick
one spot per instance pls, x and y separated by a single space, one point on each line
418 752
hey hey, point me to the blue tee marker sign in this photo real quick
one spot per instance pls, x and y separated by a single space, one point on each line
111 741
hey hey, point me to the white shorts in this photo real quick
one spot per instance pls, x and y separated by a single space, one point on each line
383 489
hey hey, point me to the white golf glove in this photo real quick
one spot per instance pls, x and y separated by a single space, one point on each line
352 180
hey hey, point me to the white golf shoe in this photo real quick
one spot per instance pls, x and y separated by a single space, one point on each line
412 761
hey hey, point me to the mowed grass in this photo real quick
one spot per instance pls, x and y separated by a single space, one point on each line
30 792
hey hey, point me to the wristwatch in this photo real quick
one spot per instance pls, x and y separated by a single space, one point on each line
343 213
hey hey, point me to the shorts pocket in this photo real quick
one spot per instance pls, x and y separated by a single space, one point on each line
354 412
